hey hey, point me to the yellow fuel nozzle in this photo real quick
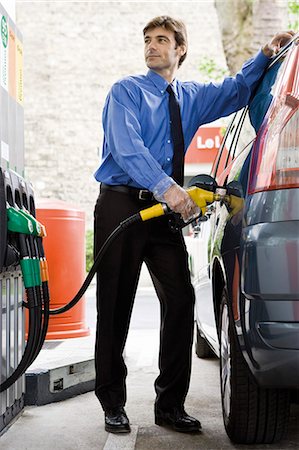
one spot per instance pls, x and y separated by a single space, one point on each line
235 203
200 196
154 211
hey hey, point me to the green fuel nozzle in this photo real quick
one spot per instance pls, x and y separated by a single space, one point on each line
39 228
17 222
24 224
21 221
35 224
31 272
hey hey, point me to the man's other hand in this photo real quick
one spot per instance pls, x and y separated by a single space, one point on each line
179 201
279 40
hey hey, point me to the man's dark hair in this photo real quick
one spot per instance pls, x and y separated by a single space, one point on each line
177 26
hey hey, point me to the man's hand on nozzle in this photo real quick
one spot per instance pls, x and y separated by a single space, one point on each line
179 201
278 41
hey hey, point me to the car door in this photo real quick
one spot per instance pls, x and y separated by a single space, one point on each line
205 237
229 219
231 165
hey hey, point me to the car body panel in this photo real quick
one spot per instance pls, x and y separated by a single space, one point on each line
251 247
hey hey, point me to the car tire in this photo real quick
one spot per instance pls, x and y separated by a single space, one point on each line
202 349
251 415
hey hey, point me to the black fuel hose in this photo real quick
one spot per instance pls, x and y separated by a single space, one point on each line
45 299
39 301
121 227
42 312
38 327
35 299
38 342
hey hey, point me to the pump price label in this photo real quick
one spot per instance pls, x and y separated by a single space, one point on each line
12 63
19 71
4 53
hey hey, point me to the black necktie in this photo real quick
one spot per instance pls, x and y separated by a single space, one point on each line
177 138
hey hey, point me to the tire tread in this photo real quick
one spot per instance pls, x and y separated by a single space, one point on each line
258 415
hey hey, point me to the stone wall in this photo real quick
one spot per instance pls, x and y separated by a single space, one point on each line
73 52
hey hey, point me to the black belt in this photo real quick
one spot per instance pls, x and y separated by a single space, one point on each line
140 194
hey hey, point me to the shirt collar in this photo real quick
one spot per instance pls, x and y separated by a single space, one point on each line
174 86
160 82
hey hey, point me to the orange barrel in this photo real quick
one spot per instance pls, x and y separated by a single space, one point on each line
65 252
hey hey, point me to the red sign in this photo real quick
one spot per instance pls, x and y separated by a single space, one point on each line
204 146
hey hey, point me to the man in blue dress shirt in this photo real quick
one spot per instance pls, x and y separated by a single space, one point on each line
136 170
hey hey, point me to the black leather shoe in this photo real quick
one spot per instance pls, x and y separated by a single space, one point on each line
116 421
178 420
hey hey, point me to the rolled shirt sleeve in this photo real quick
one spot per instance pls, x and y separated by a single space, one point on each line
222 99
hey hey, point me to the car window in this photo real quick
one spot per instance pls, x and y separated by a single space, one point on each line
246 135
220 155
246 122
227 144
262 99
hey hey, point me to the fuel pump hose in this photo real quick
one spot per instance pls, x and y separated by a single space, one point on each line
200 196
38 301
146 214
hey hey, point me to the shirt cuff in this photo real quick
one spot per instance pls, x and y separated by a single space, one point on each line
161 187
261 59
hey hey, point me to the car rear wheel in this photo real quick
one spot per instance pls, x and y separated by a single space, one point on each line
202 349
251 415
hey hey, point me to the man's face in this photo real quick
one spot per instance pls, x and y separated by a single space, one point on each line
161 51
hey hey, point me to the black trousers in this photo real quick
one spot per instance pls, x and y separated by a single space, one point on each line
165 255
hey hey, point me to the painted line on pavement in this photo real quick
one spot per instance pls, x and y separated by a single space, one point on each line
120 441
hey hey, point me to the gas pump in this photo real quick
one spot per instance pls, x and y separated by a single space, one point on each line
24 250
15 192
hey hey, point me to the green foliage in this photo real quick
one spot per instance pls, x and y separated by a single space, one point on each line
210 70
223 131
89 249
293 7
293 10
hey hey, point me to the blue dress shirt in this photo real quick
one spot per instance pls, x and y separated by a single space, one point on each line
137 147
